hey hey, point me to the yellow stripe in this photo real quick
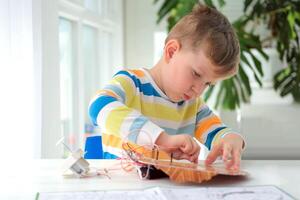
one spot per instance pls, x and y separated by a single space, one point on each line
219 135
204 125
156 110
115 119
200 102
128 88
111 140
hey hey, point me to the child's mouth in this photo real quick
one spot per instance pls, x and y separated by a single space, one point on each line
186 97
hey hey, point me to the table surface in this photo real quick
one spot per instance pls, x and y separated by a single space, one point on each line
44 175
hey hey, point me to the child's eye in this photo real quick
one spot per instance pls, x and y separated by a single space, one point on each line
210 84
196 74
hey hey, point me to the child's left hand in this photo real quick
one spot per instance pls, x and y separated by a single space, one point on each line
230 148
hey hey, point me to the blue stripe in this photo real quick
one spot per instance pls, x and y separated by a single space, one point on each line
211 136
136 125
116 90
107 155
203 113
189 129
146 88
97 106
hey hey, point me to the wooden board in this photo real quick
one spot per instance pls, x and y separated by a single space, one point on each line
180 171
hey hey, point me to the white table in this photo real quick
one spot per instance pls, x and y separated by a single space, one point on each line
44 176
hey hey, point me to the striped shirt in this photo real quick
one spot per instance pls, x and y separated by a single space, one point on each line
134 108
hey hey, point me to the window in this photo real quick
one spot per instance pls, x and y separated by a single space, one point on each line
66 80
84 34
92 5
90 63
159 41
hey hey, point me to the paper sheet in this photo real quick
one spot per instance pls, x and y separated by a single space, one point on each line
228 193
107 195
163 193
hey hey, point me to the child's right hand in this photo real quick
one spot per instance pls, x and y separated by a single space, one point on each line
182 146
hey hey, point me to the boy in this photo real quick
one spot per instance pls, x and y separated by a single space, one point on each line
163 106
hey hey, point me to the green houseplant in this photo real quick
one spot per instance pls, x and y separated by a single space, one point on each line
232 92
283 20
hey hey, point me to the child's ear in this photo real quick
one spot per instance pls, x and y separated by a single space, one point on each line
171 47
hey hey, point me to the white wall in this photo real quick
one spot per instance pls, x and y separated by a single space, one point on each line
272 131
271 125
140 25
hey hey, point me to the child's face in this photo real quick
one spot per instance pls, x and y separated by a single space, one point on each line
187 75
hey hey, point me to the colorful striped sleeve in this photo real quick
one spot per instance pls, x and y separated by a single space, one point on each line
109 110
209 127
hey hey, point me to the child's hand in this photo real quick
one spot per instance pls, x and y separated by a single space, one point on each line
182 146
230 148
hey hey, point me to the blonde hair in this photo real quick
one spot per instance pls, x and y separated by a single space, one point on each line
206 27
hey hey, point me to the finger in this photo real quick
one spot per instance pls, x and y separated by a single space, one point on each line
234 163
188 145
195 147
215 152
196 153
168 149
194 158
226 153
236 159
228 158
177 154
185 156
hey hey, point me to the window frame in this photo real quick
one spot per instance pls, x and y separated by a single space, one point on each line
46 42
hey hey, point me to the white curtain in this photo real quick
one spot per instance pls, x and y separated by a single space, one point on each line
19 100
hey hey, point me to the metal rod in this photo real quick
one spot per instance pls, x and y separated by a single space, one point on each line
61 141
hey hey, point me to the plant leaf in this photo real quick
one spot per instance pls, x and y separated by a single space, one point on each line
257 64
166 8
222 3
209 3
